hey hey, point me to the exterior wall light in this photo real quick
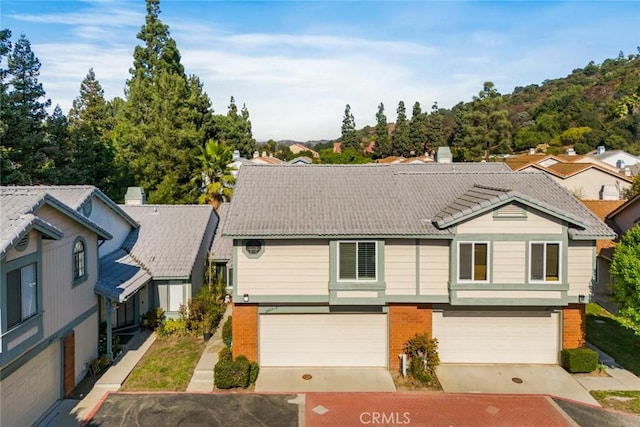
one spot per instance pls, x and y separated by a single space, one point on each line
245 298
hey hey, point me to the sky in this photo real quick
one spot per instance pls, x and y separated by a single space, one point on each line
296 64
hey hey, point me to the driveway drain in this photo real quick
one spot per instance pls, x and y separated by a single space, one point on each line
517 380
306 377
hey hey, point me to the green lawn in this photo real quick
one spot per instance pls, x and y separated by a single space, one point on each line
605 332
626 401
167 365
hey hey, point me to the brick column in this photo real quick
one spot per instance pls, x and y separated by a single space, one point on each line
245 330
405 321
573 326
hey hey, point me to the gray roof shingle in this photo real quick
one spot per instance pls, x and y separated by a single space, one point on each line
221 248
380 200
169 238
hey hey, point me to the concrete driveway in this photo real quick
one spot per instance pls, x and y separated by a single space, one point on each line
295 380
512 379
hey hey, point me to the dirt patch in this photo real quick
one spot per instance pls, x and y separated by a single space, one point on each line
409 383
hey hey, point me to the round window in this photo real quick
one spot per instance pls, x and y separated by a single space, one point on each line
254 247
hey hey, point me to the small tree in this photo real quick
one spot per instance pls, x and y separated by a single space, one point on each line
625 268
423 352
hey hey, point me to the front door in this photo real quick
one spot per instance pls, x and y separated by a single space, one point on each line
125 313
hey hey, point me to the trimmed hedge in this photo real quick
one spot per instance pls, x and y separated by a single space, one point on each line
579 360
227 332
236 373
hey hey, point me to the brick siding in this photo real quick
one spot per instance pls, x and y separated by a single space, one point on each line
573 326
245 331
405 321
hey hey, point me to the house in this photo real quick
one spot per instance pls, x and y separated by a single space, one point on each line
299 148
49 310
619 159
345 263
585 177
302 160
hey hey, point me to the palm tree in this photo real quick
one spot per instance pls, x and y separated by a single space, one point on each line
216 180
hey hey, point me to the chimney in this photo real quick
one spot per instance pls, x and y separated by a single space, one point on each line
443 155
255 154
135 196
236 155
627 171
264 154
609 192
532 151
600 149
571 152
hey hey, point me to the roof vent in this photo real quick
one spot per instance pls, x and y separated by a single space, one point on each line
443 155
600 149
22 244
532 151
135 196
236 155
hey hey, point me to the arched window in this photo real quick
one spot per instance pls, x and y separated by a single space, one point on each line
79 259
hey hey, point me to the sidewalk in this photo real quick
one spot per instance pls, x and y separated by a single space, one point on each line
71 413
618 379
202 379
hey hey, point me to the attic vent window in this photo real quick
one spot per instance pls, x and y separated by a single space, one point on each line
253 247
87 208
510 212
23 243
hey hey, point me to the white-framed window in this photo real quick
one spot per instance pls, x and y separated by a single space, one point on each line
473 261
22 294
544 261
79 259
357 261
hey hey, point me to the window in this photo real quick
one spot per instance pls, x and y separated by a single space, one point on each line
545 262
22 293
357 260
473 261
79 260
254 247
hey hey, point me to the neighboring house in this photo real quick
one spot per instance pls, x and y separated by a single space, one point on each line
410 161
266 159
302 160
166 258
49 311
222 249
617 158
586 178
299 148
236 163
496 265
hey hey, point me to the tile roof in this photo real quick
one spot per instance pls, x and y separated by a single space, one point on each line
602 208
169 238
19 214
338 200
120 276
221 248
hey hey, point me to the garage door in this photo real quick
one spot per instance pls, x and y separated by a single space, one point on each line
323 340
32 389
496 337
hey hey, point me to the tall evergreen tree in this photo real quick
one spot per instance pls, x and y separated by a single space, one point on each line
382 148
349 137
160 128
434 132
57 149
234 129
90 126
417 130
5 49
401 142
486 127
23 114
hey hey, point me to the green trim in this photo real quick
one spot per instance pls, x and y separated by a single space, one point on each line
444 236
417 243
322 309
362 285
284 299
510 237
75 281
256 255
562 301
417 298
536 286
16 364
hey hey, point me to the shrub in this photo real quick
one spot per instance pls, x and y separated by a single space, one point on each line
227 332
423 352
172 327
254 369
152 319
116 347
225 353
579 360
97 365
233 373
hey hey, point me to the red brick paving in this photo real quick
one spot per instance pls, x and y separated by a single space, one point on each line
430 409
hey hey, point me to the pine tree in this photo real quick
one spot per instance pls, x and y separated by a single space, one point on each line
160 128
234 129
349 138
417 130
434 132
487 128
90 126
401 143
57 149
5 49
23 116
382 148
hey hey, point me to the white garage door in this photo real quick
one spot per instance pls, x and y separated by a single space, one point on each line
32 389
496 337
323 340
